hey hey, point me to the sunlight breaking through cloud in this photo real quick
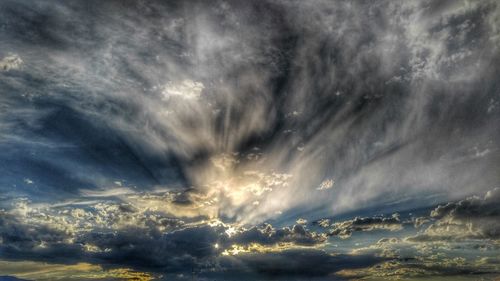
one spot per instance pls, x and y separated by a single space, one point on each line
177 140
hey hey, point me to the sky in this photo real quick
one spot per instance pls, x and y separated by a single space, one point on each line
249 140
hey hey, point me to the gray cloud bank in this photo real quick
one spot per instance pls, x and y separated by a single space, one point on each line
119 235
472 218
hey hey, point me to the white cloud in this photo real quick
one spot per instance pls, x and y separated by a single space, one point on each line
115 191
10 62
185 89
326 184
28 181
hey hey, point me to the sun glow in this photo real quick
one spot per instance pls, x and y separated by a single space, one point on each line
231 185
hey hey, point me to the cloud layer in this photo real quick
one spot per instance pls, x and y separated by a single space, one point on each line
174 137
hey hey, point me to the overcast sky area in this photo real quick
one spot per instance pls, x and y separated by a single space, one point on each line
249 140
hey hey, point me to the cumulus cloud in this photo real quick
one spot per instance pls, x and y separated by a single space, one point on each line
301 221
385 247
418 222
267 235
471 218
346 228
323 222
10 62
121 234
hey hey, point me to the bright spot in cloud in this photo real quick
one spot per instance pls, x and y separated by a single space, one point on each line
326 184
9 62
186 89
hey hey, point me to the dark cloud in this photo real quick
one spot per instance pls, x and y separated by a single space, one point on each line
298 263
11 278
409 268
155 243
21 240
472 218
152 250
345 229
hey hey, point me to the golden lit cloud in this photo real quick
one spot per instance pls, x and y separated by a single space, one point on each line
47 272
